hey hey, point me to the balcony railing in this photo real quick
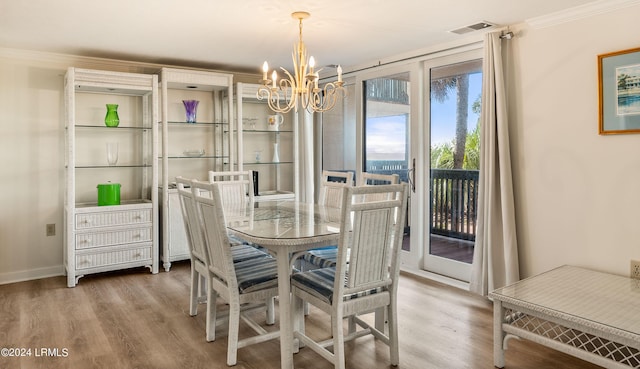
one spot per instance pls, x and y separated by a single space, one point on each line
454 203
388 90
453 194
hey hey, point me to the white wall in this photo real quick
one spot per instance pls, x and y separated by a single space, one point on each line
577 192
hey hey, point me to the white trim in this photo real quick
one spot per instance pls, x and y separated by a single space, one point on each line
579 12
436 277
63 61
31 274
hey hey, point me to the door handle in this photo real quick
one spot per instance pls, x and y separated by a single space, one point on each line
411 175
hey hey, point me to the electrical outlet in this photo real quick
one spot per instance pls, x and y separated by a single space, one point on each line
635 269
51 229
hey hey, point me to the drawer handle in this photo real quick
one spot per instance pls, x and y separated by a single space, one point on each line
137 255
86 221
85 240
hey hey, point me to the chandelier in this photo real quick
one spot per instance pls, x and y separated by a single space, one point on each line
302 88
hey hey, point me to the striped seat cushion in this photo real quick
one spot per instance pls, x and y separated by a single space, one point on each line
319 283
235 240
242 253
324 257
256 274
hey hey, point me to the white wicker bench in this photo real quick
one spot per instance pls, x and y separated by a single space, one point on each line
591 315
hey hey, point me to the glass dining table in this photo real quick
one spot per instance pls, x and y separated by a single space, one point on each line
285 228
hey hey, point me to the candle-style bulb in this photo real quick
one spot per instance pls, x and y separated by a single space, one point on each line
274 77
339 73
312 63
265 69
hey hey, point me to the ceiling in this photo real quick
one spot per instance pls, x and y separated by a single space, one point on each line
239 35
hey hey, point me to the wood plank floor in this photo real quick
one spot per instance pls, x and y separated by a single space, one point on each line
138 320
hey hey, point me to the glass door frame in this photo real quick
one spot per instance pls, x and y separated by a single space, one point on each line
410 260
439 265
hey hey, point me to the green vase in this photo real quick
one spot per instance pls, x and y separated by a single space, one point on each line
112 119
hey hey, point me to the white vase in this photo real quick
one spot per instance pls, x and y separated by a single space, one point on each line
276 157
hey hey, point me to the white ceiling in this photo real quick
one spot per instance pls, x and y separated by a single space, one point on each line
241 34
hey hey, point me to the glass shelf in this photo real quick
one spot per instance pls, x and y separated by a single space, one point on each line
197 157
267 163
265 131
112 166
89 126
196 124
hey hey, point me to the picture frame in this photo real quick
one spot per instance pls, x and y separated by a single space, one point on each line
619 92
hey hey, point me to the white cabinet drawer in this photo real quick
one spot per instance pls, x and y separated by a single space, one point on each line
115 237
113 218
129 254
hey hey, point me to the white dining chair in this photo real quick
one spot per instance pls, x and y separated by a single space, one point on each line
236 190
200 257
235 186
365 277
252 282
326 256
331 185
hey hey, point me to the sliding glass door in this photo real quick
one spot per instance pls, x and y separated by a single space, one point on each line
418 120
389 138
455 85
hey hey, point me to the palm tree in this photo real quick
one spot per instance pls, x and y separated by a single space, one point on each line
440 89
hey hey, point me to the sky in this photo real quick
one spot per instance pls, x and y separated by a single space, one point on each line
386 136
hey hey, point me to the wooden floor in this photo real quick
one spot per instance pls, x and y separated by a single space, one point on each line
447 247
138 320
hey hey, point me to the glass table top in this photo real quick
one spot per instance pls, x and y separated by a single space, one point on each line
599 297
284 220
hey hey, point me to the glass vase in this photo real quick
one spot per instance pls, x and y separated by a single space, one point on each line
191 106
112 119
276 155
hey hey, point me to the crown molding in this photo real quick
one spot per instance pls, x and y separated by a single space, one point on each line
62 61
579 12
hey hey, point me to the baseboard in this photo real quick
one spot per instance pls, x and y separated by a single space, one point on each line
437 277
27 275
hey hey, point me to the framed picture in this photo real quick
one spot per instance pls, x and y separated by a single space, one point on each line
619 83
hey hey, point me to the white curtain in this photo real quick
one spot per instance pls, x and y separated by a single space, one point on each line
495 258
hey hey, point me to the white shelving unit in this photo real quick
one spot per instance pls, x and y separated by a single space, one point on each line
104 238
183 142
256 145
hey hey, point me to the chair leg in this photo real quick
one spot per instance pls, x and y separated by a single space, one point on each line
352 324
271 311
211 315
234 327
338 342
381 320
297 310
193 295
394 351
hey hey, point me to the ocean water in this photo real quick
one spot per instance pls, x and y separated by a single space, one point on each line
628 105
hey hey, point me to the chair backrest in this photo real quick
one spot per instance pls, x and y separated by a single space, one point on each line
235 186
331 187
374 179
192 226
210 210
371 238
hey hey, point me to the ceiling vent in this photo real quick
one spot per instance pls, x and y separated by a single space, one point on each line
472 28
